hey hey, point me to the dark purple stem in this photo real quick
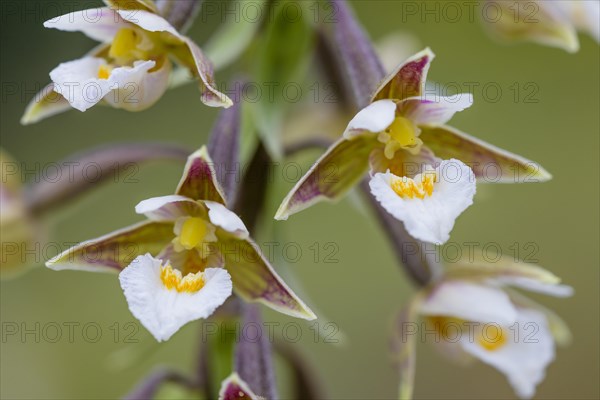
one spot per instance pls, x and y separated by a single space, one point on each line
107 162
179 13
149 386
253 359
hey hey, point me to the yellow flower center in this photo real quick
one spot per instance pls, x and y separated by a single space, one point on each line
193 232
492 337
401 134
409 188
104 71
131 44
172 279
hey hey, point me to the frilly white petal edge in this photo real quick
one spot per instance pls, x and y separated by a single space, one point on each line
162 311
430 219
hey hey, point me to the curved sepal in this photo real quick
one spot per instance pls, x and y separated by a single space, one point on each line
115 251
542 22
45 104
201 67
408 80
488 162
558 327
199 180
331 177
477 268
255 280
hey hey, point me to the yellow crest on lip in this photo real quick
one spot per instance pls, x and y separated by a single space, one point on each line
104 71
172 279
492 337
409 188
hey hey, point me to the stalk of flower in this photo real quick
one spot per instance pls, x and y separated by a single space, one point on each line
550 23
182 263
423 172
477 315
129 70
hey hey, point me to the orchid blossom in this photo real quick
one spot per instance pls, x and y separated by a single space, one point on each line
552 23
171 266
131 67
423 172
478 315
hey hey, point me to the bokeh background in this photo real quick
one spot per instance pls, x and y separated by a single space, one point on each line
366 287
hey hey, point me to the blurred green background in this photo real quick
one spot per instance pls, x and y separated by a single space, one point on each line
366 288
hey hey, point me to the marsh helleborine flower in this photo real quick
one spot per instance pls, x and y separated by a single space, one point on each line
186 257
417 163
552 23
478 315
129 70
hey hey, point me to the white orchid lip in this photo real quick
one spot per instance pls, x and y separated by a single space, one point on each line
163 300
514 352
430 202
85 82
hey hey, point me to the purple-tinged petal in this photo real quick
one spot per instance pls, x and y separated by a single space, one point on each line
408 80
199 180
332 175
168 208
101 24
115 251
488 162
201 67
436 111
234 388
254 279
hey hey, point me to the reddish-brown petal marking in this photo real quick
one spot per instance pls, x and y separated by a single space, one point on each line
488 162
332 176
199 180
408 80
